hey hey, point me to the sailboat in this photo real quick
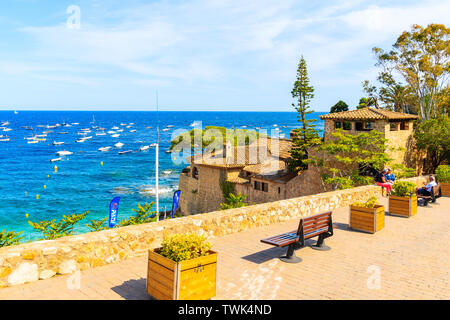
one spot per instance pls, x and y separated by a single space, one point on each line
15 112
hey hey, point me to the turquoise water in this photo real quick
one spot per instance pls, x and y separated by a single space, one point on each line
81 182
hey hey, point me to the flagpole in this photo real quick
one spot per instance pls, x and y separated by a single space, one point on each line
157 158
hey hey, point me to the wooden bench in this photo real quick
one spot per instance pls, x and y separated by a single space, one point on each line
435 193
320 225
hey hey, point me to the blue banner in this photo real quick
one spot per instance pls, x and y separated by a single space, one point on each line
113 211
176 200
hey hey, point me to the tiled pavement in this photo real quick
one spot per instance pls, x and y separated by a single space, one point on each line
408 259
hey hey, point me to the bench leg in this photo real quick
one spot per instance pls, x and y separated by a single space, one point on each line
290 256
320 245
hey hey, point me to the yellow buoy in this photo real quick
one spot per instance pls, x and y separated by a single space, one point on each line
101 163
26 194
48 176
45 187
26 215
37 197
56 168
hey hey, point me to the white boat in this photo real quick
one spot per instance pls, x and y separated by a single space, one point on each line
4 140
80 140
165 130
33 142
56 160
115 128
144 148
5 123
153 145
100 134
123 124
62 132
7 129
128 127
75 123
125 152
58 143
168 151
167 172
64 153
15 112
115 136
87 138
119 145
111 132
121 130
104 149
170 126
132 130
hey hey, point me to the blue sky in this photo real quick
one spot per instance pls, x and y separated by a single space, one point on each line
200 55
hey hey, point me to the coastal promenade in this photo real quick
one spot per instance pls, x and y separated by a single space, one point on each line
408 259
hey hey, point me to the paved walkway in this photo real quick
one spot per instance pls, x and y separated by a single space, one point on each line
408 259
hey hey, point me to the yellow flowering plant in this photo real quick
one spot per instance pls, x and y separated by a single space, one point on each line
181 247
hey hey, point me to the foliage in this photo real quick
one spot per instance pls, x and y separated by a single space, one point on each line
401 171
52 230
143 215
443 174
234 201
365 102
403 189
227 188
10 238
213 137
306 136
421 57
433 136
97 225
340 106
182 247
352 159
370 203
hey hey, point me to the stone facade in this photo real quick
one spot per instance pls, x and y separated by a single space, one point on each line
45 259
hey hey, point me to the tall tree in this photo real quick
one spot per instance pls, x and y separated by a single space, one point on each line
365 102
306 136
340 106
421 57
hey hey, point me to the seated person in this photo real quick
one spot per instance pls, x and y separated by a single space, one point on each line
390 177
380 179
426 191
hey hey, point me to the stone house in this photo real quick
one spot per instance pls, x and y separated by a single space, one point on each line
396 127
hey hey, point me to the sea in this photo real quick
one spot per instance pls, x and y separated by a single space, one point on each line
87 180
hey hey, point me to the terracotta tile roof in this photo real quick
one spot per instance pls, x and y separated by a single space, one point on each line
369 114
238 180
266 167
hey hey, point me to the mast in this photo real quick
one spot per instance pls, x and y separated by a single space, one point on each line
157 158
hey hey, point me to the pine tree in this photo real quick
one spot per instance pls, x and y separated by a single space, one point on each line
306 136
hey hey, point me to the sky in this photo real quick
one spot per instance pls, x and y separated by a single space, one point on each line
199 55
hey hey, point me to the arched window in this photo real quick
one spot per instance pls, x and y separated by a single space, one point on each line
195 173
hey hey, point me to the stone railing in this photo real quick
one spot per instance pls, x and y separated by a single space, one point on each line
45 259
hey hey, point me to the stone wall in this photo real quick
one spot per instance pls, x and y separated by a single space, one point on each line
45 259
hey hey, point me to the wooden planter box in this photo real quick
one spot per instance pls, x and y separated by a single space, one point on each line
366 219
445 189
403 206
193 279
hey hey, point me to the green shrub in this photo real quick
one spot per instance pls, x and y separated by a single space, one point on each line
181 247
403 189
143 215
10 238
52 230
401 171
370 203
97 225
443 174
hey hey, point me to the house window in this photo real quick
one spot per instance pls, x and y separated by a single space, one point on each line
195 173
257 185
359 126
347 125
404 126
369 125
338 125
279 190
394 126
265 187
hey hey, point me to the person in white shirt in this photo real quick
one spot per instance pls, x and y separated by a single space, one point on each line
426 191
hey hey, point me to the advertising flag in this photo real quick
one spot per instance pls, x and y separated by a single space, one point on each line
113 211
176 200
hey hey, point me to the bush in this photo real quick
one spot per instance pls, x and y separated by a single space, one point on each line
443 174
10 238
370 203
97 225
52 230
403 189
401 171
181 247
143 215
